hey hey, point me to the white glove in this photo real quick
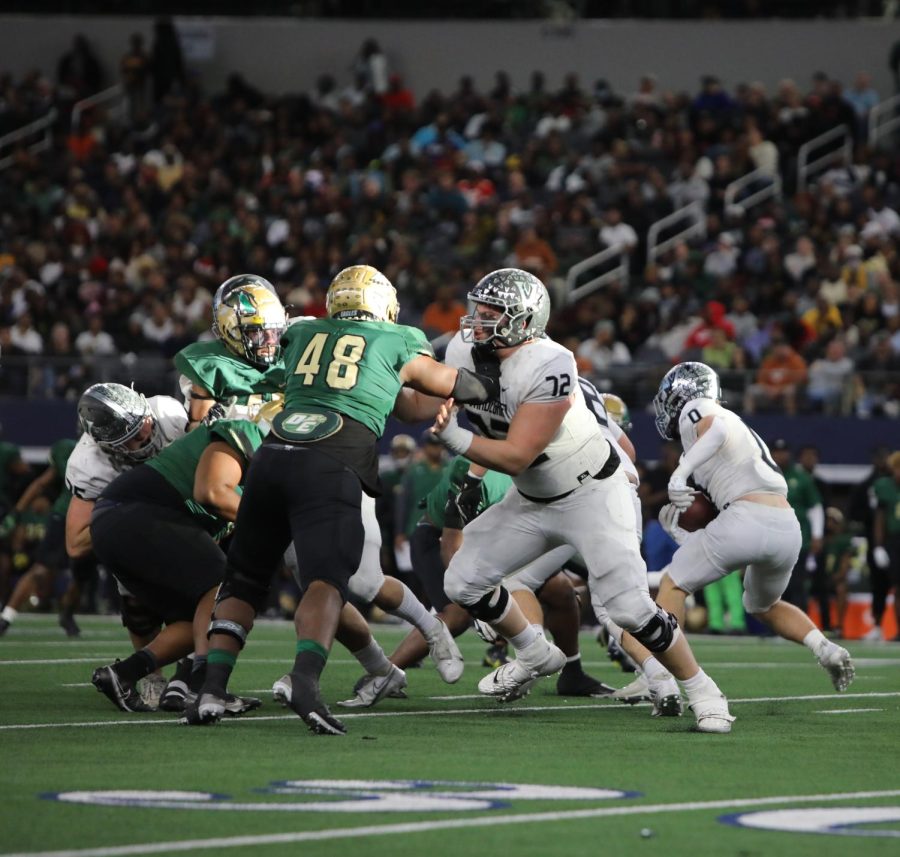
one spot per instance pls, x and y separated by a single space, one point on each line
456 439
811 564
668 519
679 493
881 556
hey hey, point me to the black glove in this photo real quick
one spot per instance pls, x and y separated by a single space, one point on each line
463 505
214 414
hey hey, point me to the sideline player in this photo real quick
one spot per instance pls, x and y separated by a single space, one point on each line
569 490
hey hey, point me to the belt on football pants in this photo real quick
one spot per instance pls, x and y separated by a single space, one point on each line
610 467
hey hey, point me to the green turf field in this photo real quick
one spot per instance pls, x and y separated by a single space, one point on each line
647 786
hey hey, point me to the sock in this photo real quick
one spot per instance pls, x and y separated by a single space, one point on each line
653 669
373 659
524 638
696 683
413 611
310 659
198 672
814 640
9 614
573 665
136 666
219 666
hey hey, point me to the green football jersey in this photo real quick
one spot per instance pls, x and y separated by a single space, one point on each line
834 551
59 457
887 492
493 489
224 375
177 463
350 367
802 495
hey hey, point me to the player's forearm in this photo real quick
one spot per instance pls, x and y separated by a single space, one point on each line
501 455
222 499
79 544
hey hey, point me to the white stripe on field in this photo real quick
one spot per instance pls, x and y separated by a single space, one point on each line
611 705
443 824
846 710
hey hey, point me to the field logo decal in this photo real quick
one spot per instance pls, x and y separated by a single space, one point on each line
350 796
829 820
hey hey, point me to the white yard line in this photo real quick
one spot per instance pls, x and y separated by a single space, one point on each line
443 824
610 705
846 710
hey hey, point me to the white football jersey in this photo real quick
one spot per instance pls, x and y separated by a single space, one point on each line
90 469
742 465
536 372
612 431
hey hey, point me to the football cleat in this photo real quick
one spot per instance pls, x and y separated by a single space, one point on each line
4 626
69 625
495 656
836 661
712 712
173 697
581 684
123 695
514 680
665 696
203 709
306 702
619 656
636 691
446 655
151 689
373 688
281 690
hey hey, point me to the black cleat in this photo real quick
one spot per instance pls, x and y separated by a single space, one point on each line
123 695
306 702
4 626
173 696
581 684
69 625
204 708
619 656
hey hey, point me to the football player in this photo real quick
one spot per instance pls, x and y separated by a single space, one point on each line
756 528
156 528
50 553
120 429
242 368
345 374
570 490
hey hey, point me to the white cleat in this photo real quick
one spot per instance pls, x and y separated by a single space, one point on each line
373 688
712 712
514 680
836 661
636 691
281 690
665 696
446 655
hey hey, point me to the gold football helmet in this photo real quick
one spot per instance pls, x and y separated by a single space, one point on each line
250 321
617 410
363 293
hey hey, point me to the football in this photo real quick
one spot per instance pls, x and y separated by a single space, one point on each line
700 513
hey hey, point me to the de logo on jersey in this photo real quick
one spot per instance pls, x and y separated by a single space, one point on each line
306 426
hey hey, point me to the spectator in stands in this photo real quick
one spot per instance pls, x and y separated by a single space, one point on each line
862 98
24 337
721 353
604 351
134 69
371 64
62 374
167 60
823 319
723 260
94 341
802 260
878 379
763 153
615 233
713 319
781 375
79 72
442 315
829 387
398 99
534 254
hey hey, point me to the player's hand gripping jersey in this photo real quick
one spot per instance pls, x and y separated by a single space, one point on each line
90 469
541 371
742 464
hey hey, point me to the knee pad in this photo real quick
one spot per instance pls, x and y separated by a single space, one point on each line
225 626
238 585
490 607
659 633
138 618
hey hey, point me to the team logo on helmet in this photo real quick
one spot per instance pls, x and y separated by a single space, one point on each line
681 384
362 293
250 321
523 300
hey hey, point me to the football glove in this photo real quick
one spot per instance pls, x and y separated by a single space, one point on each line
668 519
681 494
462 505
881 556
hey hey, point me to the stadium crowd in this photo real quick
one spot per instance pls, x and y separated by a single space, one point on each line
113 242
